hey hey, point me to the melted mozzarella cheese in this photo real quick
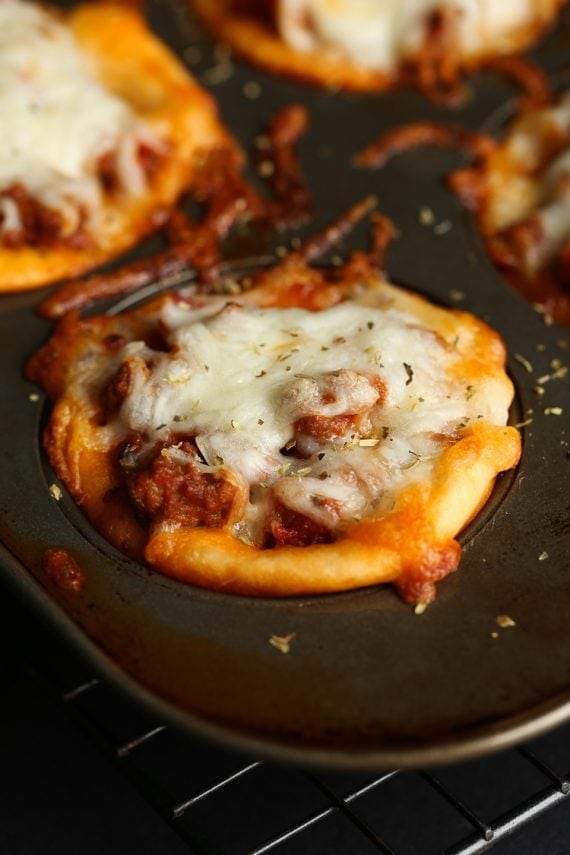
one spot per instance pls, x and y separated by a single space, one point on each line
378 34
536 185
57 120
238 378
554 193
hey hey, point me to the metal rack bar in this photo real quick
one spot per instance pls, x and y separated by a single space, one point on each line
509 822
79 690
180 808
124 750
276 841
562 783
484 837
484 830
342 805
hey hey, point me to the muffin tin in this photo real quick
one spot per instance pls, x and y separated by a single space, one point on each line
366 682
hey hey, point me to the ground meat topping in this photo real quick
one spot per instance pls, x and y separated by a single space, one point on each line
25 221
335 403
325 428
120 384
171 486
291 528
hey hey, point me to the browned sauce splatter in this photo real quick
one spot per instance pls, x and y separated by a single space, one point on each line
63 569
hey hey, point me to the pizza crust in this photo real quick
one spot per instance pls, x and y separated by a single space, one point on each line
415 540
134 65
520 192
252 36
412 544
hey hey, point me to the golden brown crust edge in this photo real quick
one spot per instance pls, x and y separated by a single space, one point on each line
417 535
256 41
139 68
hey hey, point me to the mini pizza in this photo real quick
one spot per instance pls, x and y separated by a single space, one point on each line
520 190
105 130
308 435
371 44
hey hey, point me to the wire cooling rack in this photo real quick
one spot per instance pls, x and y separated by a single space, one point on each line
268 808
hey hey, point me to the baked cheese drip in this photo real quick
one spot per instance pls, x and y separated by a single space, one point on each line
529 187
62 132
379 34
286 424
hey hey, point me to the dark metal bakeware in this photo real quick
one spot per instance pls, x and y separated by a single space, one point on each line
367 683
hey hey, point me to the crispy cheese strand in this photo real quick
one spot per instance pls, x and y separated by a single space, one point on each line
438 67
531 79
416 134
293 203
316 246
